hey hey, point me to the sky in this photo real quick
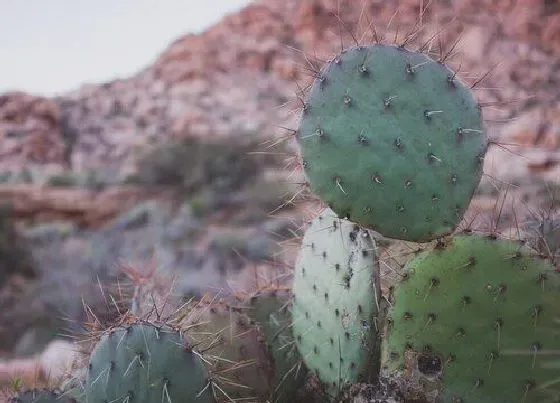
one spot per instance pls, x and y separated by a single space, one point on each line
52 46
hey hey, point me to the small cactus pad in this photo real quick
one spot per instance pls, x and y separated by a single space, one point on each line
392 140
41 396
481 315
226 332
336 299
145 363
273 318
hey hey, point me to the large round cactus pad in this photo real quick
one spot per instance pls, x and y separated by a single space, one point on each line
392 140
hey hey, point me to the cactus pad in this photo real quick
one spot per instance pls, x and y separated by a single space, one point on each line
271 315
392 140
336 299
480 315
41 396
227 333
145 363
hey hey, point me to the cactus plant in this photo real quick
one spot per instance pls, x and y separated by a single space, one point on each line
478 314
271 314
336 300
393 141
226 333
148 363
41 396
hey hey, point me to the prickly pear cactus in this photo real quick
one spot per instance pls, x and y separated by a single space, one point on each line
225 332
479 314
336 300
146 363
392 140
41 396
270 313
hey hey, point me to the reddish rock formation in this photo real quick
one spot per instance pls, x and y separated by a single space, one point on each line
85 207
28 127
530 21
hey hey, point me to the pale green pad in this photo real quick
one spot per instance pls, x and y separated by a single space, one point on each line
143 363
335 308
484 311
392 140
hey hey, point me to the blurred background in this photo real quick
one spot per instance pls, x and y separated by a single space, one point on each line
139 137
55 48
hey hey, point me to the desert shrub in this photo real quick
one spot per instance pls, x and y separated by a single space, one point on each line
15 258
62 180
192 164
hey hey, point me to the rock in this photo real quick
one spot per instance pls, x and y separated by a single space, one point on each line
536 127
28 127
81 206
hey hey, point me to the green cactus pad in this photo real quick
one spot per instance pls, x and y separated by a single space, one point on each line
41 396
145 363
480 315
336 299
225 332
392 140
271 314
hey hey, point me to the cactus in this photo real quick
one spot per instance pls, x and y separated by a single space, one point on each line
393 141
63 179
226 333
148 363
336 300
41 396
478 315
273 318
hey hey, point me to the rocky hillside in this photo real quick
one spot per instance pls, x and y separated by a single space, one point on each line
168 166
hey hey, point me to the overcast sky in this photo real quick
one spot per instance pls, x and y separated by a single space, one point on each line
50 46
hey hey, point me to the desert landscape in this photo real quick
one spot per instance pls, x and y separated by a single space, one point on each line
185 182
